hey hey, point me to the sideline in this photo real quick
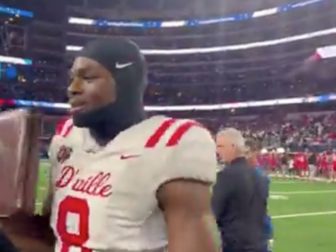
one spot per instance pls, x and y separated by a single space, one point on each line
303 215
305 192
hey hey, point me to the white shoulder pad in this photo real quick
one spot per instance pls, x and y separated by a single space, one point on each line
66 134
54 145
191 154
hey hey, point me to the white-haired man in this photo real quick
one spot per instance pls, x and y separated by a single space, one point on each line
238 201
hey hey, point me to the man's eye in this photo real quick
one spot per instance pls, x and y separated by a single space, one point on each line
89 78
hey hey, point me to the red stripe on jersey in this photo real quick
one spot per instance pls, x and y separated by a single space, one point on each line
67 130
60 125
64 127
155 138
181 130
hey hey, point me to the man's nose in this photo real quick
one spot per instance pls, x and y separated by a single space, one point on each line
75 87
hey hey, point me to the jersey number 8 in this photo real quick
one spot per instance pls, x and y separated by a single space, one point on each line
79 207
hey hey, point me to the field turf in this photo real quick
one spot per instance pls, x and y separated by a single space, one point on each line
304 216
304 213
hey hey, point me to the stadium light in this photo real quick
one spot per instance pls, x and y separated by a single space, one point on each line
237 47
224 106
170 24
74 48
81 21
14 60
305 3
266 12
16 12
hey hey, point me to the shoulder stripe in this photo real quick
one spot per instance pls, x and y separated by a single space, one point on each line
59 126
64 127
181 130
155 138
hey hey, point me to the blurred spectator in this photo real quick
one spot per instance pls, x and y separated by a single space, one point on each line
295 132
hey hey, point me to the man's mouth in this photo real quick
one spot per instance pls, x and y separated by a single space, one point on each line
76 108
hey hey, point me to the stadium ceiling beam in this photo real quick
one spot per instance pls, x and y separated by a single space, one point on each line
134 13
224 71
301 54
222 81
257 27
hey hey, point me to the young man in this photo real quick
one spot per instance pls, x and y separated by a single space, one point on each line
122 182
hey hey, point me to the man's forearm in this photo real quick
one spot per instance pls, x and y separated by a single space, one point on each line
196 237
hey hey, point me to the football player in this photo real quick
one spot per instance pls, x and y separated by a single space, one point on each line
333 170
121 182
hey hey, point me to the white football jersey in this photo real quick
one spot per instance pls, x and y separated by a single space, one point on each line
105 197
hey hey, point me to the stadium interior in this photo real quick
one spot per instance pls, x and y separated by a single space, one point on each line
266 67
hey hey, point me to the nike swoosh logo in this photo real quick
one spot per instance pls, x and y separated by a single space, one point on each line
121 66
124 157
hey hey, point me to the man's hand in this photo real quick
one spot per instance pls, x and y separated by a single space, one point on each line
29 233
6 245
29 244
186 206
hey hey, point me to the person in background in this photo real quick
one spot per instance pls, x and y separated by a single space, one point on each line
330 165
273 161
323 164
291 170
297 163
238 199
333 172
301 164
284 164
312 162
305 165
252 152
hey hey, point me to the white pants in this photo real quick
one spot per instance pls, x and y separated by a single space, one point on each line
312 171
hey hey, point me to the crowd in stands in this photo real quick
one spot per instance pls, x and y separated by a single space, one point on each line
194 94
22 90
163 94
292 132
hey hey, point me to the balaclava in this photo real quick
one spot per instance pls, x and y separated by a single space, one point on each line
123 59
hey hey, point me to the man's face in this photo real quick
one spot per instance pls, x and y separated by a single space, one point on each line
91 86
225 149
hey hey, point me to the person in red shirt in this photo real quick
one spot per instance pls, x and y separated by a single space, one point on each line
305 164
301 164
297 163
273 161
333 170
324 165
330 165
